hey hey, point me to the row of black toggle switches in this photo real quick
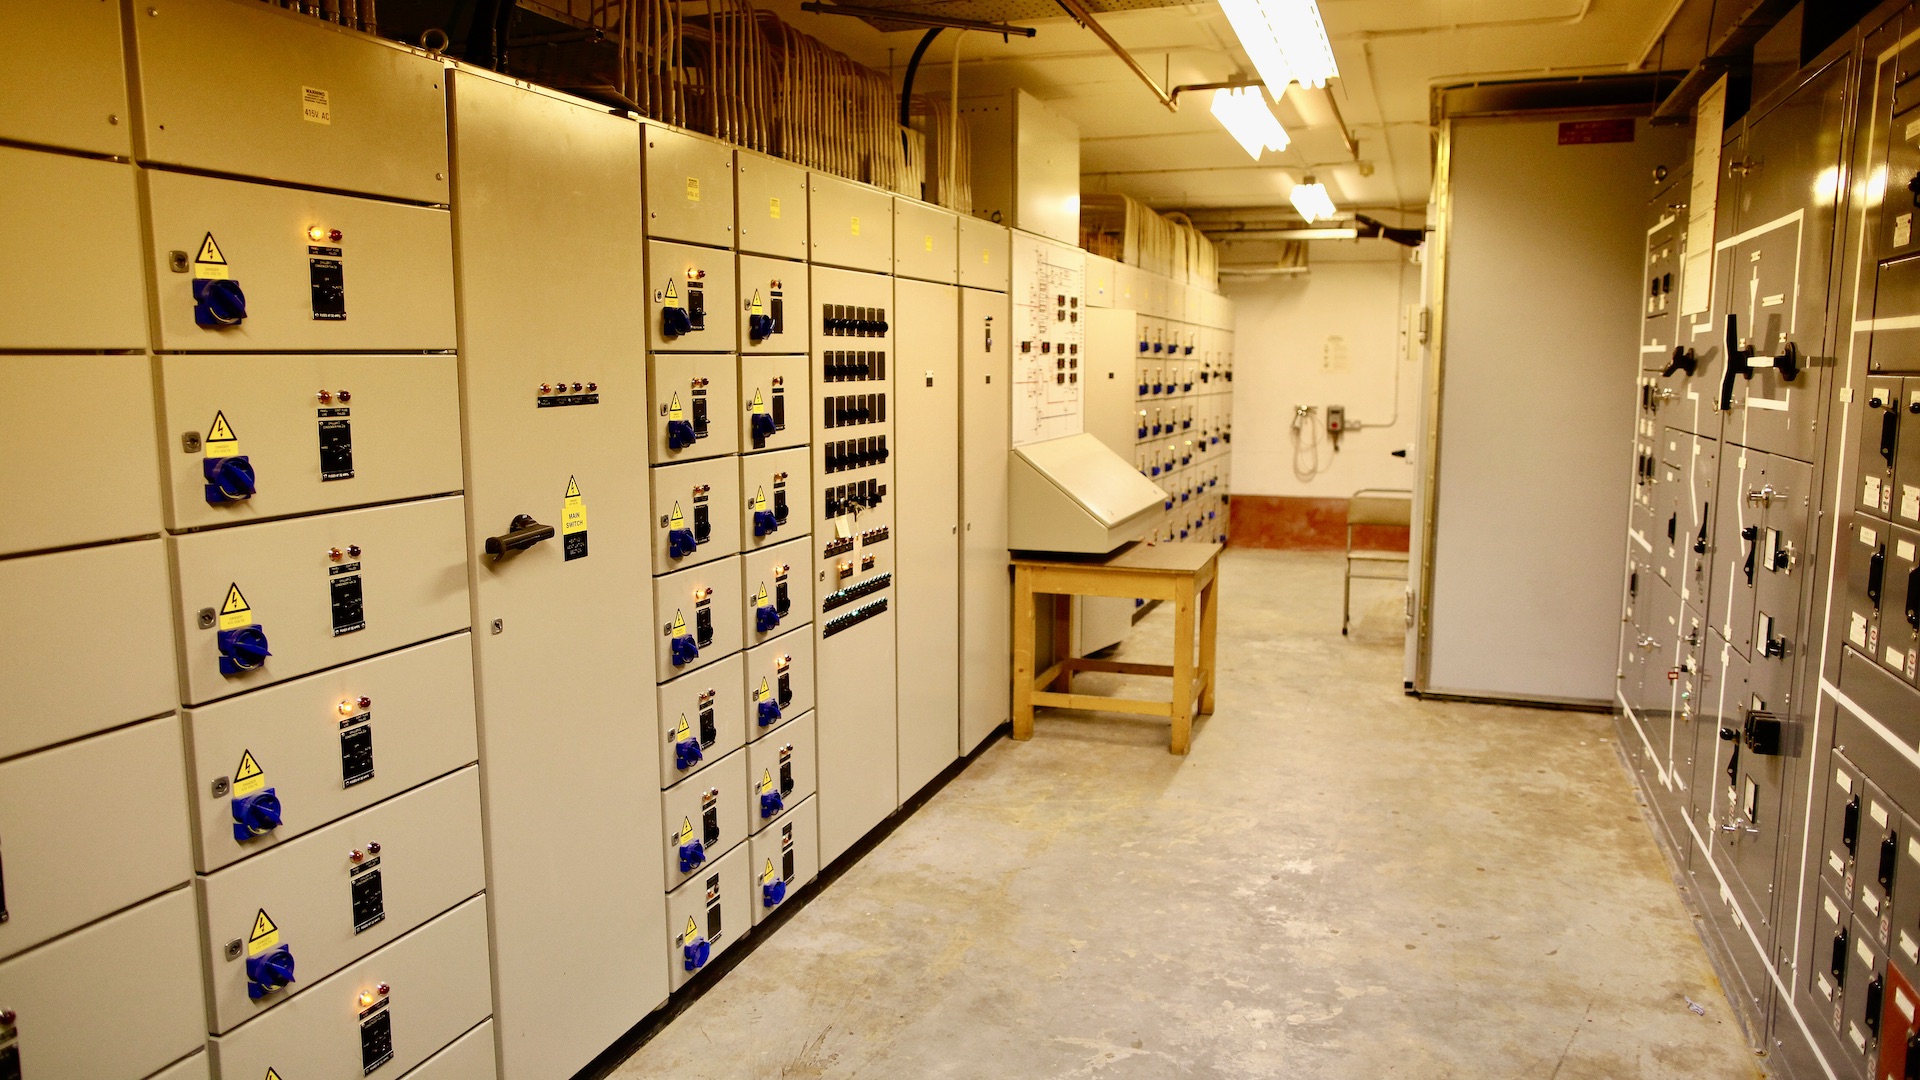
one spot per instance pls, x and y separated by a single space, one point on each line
864 587
845 320
846 410
843 366
856 453
855 497
854 618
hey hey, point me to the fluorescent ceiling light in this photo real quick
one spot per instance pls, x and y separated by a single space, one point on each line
1286 41
1244 113
1312 200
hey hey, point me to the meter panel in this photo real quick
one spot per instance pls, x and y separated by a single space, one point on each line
780 773
332 743
776 590
314 592
319 432
298 101
695 293
385 282
689 186
70 254
775 405
137 968
706 914
773 305
341 892
75 479
779 671
693 406
81 614
926 241
696 512
90 827
784 479
702 719
986 257
850 224
696 616
783 859
705 816
343 1026
63 81
771 205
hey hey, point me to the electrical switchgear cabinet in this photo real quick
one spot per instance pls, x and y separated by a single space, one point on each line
850 224
1889 437
695 293
696 512
342 891
71 250
986 616
343 1025
322 590
689 186
63 81
320 432
986 255
707 913
785 478
60 495
704 816
780 774
776 590
786 853
113 598
696 617
776 407
386 284
299 101
693 411
780 671
773 308
771 198
61 992
470 1057
926 242
332 743
706 708
65 864
546 185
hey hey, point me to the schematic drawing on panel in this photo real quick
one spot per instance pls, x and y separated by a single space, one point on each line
1048 340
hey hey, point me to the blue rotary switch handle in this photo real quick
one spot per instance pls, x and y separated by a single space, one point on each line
693 853
242 649
256 815
769 712
680 434
269 971
229 479
773 892
693 954
686 754
685 651
680 543
674 322
218 303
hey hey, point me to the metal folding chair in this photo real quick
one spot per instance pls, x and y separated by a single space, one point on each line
1389 507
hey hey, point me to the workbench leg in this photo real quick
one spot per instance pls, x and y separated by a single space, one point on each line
1023 632
1062 642
1182 666
1209 631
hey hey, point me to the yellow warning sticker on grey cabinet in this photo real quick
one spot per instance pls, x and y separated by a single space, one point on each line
674 409
773 209
248 777
759 497
265 935
234 611
691 933
221 441
316 105
686 830
210 262
693 189
684 731
759 403
766 873
573 523
764 692
856 226
766 781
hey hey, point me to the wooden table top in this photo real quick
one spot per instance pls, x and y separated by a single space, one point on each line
1182 558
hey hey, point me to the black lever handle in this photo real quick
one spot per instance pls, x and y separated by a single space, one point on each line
1890 432
1700 542
1913 597
524 532
1684 359
1738 362
1788 362
1876 576
1751 534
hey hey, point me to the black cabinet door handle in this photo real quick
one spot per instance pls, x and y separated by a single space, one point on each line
1751 534
523 533
1738 358
1700 542
1889 434
1876 576
1913 597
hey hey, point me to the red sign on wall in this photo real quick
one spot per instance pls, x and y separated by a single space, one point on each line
1585 132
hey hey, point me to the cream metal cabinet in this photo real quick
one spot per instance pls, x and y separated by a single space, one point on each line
702 718
779 672
770 205
783 858
689 186
63 79
986 617
850 224
71 249
71 482
548 185
707 914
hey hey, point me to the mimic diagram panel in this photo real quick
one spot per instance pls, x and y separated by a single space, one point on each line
1048 339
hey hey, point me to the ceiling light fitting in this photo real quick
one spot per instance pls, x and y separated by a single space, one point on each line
1286 41
1312 200
1244 113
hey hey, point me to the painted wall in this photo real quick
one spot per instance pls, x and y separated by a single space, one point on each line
1332 336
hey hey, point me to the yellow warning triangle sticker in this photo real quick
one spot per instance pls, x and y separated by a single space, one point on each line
676 519
210 254
672 294
235 603
271 1075
760 499
683 730
573 488
692 931
766 875
673 407
761 596
766 780
679 622
686 829
759 403
756 301
248 769
220 430
262 926
765 691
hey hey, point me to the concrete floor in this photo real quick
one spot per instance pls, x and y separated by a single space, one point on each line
1340 881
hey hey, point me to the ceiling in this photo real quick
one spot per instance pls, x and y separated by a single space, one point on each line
1390 52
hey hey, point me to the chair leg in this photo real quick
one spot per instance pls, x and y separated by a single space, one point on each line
1346 598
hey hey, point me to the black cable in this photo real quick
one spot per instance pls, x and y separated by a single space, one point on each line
913 65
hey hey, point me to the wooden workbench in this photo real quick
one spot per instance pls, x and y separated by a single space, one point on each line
1184 574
